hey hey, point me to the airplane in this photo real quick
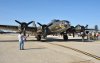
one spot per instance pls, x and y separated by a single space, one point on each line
56 26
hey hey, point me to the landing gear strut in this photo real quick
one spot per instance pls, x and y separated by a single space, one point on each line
65 37
38 37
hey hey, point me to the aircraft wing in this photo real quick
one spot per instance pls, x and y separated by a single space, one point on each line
15 28
9 27
90 29
31 29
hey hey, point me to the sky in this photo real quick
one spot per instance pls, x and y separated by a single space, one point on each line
76 11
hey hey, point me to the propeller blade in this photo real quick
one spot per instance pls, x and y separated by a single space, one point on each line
39 23
50 24
18 22
29 22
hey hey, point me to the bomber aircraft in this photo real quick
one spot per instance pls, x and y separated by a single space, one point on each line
56 26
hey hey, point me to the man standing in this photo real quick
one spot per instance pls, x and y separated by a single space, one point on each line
83 36
21 41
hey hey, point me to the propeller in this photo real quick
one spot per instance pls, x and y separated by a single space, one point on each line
45 28
24 22
23 26
82 29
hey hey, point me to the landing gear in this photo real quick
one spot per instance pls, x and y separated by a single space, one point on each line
65 37
38 37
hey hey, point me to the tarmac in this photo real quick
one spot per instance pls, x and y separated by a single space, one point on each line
52 50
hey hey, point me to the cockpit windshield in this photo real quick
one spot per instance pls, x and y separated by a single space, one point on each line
66 22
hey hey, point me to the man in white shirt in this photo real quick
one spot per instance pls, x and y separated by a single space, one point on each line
21 41
83 36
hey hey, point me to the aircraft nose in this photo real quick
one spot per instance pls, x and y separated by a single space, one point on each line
63 25
66 24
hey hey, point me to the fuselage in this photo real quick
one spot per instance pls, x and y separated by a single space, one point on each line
53 28
59 26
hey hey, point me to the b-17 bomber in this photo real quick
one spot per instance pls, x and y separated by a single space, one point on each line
62 27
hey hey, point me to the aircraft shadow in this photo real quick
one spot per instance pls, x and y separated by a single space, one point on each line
16 40
35 48
61 40
49 40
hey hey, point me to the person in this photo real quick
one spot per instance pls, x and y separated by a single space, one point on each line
83 35
89 36
21 39
97 35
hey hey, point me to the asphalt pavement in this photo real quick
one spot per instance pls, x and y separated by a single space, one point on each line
47 51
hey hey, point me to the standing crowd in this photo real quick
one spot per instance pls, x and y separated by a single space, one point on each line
93 36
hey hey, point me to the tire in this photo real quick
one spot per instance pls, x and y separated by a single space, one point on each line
65 37
38 37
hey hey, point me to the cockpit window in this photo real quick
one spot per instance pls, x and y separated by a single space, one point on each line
66 22
55 20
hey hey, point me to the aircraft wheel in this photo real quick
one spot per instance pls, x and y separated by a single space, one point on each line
65 37
38 37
